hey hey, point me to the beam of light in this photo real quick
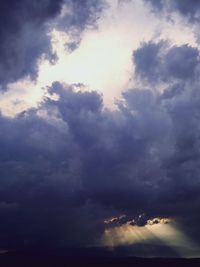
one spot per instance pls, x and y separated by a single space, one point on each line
160 233
176 239
125 235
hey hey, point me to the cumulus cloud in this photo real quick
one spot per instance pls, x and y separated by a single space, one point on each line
140 220
160 62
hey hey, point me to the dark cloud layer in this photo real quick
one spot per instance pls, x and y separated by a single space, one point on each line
24 28
70 164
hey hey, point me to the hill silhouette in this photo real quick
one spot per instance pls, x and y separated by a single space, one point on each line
85 257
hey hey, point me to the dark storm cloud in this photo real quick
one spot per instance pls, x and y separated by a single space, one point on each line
24 28
70 164
189 9
23 36
178 67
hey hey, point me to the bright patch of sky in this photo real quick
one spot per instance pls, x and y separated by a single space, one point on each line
103 61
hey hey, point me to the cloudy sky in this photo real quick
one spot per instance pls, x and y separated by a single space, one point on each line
100 125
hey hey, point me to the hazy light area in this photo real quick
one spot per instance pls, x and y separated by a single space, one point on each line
162 233
103 60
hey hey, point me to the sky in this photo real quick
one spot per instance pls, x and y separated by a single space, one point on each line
99 125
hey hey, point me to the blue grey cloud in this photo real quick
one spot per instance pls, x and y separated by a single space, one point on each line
23 36
158 62
69 164
189 9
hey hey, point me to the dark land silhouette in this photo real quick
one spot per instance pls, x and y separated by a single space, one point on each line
85 257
